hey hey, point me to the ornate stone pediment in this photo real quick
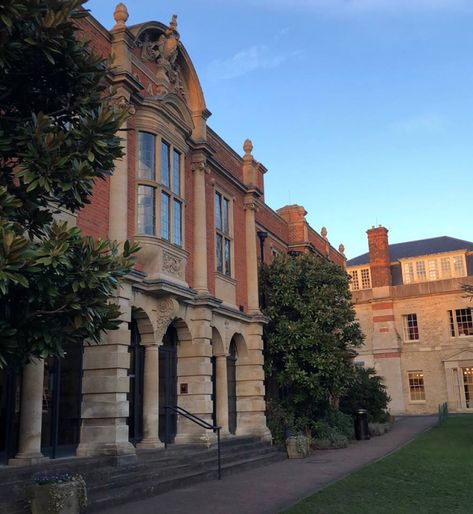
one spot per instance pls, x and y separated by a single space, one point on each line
161 48
462 355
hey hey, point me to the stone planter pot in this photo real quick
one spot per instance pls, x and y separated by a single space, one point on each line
56 498
297 447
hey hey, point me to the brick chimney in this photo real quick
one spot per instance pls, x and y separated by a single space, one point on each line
380 261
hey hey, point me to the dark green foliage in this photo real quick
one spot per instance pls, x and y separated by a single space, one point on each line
58 134
367 392
308 341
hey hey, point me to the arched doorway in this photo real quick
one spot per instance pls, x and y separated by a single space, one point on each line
168 386
231 387
135 395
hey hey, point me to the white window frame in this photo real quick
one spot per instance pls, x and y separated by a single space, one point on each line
223 233
357 281
458 328
431 268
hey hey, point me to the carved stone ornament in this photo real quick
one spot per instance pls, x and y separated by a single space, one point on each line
124 103
171 264
166 311
200 165
162 49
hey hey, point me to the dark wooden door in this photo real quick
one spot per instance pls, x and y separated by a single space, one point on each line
168 386
232 396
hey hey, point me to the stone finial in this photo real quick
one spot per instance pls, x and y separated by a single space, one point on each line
323 232
173 23
248 147
120 16
341 249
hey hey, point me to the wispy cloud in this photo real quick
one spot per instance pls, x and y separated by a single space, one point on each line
257 57
419 124
351 6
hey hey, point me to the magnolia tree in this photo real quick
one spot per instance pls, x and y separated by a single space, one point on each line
311 335
58 135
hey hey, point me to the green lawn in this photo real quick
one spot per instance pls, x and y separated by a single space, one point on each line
433 474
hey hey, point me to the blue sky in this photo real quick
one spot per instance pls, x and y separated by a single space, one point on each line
362 110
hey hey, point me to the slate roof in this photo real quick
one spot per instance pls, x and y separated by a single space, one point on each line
417 248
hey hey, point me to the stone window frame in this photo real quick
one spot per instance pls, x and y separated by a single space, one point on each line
225 235
464 326
429 268
159 188
416 385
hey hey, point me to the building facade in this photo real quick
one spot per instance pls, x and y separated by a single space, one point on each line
191 332
417 322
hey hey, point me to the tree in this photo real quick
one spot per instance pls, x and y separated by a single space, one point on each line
310 339
58 135
366 392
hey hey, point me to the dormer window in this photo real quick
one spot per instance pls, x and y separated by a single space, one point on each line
424 270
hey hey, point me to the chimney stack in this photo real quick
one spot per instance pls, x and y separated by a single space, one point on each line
380 261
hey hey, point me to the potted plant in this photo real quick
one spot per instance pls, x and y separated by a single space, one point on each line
60 493
297 447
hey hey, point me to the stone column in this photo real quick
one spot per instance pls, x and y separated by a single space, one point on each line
222 392
194 375
105 385
31 415
250 387
151 397
199 168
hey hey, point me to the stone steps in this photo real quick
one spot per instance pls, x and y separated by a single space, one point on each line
154 472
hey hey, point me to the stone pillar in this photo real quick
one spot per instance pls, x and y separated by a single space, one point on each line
251 406
31 415
250 172
222 392
251 255
194 375
151 397
105 385
199 169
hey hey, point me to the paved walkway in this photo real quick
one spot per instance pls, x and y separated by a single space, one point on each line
273 488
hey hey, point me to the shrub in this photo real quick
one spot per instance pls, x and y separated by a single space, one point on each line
367 392
343 423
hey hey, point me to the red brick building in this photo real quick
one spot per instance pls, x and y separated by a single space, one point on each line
191 331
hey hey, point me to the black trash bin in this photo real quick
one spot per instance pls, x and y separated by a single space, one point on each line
361 425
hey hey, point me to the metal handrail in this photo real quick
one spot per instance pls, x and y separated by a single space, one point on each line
198 421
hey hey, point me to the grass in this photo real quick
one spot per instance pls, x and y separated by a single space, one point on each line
431 475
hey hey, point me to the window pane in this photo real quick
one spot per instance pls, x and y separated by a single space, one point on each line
165 216
464 322
458 266
165 179
228 270
225 216
445 265
354 280
219 252
452 324
411 329
365 279
176 175
433 274
408 273
416 385
177 223
420 269
218 211
146 148
146 219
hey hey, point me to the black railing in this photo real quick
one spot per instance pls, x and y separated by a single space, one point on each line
198 421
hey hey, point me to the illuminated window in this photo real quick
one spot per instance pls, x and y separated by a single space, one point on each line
416 386
461 323
222 236
159 189
411 329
